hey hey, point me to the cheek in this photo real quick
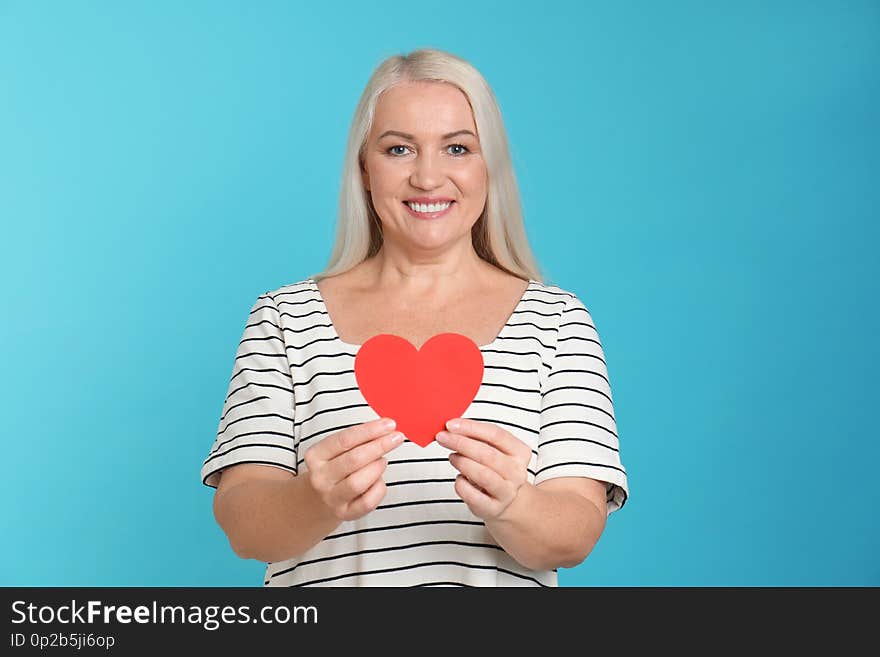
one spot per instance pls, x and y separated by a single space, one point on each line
384 175
473 179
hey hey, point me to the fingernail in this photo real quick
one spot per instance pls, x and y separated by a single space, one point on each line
453 425
397 438
389 424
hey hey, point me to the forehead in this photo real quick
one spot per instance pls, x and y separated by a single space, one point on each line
423 107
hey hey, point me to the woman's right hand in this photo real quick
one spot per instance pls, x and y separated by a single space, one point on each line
346 467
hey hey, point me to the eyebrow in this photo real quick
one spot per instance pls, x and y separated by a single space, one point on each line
412 138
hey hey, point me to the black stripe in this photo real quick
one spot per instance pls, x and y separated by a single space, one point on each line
333 355
437 460
300 347
327 431
308 314
498 403
240 404
583 440
568 355
598 465
544 301
251 417
399 461
405 526
547 408
259 385
507 424
503 385
419 503
419 481
544 289
599 374
534 312
309 328
205 480
259 308
540 328
547 392
329 410
250 433
305 288
509 369
515 353
447 583
262 321
260 354
232 449
523 337
393 548
297 303
579 337
592 424
306 402
419 565
317 374
265 369
561 326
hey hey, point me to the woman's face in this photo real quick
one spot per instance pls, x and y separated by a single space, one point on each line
423 143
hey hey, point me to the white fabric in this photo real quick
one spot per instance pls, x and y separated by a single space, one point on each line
293 384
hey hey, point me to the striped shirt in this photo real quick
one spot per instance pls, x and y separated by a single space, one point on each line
293 384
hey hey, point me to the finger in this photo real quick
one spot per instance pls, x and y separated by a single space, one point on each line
351 437
489 433
489 481
366 502
473 496
354 459
357 482
479 451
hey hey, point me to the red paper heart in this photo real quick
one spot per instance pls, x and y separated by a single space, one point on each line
420 389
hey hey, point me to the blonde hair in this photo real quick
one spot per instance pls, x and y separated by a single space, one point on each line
499 235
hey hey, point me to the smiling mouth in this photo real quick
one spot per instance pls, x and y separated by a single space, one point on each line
428 215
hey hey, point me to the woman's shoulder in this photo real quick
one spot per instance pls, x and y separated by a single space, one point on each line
296 302
297 288
552 291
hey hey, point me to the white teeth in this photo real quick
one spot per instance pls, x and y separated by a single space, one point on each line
431 207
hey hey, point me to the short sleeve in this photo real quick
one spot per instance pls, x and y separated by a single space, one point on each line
578 430
256 424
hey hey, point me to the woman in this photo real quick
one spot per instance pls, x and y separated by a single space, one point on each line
430 240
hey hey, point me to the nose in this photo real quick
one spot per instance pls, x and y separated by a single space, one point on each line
427 172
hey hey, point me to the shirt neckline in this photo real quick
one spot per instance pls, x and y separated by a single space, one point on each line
501 333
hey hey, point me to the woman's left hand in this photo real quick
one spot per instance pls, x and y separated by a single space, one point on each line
493 465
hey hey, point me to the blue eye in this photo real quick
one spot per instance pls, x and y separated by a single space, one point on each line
390 150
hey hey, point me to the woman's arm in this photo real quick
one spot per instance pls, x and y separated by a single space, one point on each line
269 514
543 526
554 524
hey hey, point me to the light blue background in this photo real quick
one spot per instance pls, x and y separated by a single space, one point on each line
704 177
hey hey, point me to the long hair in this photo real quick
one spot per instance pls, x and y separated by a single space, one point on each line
499 235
